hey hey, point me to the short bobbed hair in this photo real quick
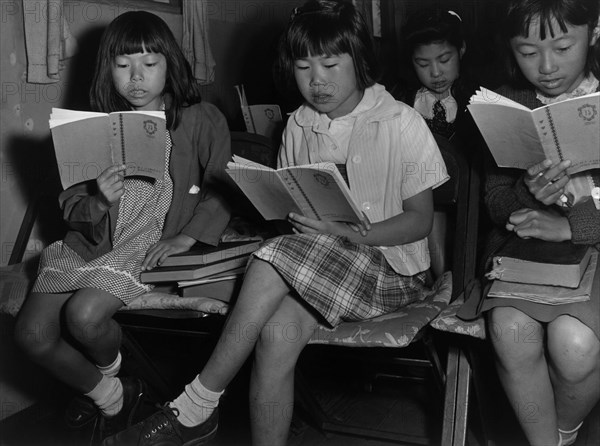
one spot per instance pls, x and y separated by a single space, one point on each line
521 13
327 27
133 32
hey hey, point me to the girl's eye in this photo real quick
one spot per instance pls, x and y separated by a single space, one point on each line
121 65
331 65
564 49
153 64
527 54
445 60
301 67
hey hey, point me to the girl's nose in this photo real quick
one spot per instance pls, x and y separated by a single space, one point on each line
435 70
547 64
136 74
316 78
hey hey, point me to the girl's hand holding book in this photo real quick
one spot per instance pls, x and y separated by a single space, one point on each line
303 224
546 181
543 225
110 186
164 248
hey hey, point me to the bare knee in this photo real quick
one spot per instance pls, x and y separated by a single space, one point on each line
86 317
36 336
573 348
517 338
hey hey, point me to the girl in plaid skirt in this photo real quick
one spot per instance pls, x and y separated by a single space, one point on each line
325 272
120 226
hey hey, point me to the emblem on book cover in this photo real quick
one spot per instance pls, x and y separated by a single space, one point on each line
150 127
322 179
588 112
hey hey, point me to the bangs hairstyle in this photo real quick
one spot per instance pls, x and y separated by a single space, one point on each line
135 32
551 14
327 28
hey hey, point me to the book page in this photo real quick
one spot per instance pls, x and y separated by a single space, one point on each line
321 193
82 149
139 141
570 130
264 189
510 134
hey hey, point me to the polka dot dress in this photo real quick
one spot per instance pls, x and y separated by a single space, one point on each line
142 211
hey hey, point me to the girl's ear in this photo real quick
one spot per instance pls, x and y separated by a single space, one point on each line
463 50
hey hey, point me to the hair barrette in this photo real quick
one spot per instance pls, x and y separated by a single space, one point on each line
455 15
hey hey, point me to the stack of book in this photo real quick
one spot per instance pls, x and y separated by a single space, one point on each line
543 272
206 271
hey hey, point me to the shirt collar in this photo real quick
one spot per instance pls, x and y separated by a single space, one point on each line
587 86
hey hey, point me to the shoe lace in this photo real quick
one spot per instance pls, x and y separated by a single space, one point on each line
162 422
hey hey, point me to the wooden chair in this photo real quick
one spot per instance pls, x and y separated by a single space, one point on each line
387 340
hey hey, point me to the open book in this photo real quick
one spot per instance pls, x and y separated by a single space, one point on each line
519 137
86 143
314 190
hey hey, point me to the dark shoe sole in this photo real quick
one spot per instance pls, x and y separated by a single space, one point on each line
202 441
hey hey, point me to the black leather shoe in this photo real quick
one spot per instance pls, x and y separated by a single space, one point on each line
162 428
133 394
80 411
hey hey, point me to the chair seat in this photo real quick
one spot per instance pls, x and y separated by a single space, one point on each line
396 329
449 322
16 281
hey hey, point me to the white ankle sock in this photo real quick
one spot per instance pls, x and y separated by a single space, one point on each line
195 404
108 395
568 437
111 370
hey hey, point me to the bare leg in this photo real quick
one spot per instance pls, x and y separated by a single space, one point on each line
261 295
574 352
39 333
523 371
88 317
272 381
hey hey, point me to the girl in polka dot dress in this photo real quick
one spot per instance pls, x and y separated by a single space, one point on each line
121 226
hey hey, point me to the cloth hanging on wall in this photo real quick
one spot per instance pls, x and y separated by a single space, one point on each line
195 40
48 41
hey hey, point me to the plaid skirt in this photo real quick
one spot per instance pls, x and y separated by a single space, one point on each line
341 280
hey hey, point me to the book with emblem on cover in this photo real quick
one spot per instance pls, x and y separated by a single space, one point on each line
519 137
536 261
316 191
86 143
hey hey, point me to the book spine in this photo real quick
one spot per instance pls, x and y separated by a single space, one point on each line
296 185
122 132
554 135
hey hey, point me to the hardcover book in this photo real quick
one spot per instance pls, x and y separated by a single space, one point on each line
264 119
86 143
192 272
540 262
547 294
223 286
201 253
315 190
519 137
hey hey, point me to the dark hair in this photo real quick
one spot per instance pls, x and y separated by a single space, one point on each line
429 26
328 27
520 14
133 32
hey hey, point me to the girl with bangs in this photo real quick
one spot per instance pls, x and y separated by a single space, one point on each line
323 273
547 356
119 226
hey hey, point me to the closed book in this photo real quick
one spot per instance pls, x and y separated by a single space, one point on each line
223 288
540 262
547 294
201 253
191 272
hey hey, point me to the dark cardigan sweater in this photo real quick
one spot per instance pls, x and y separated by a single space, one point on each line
201 148
506 192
